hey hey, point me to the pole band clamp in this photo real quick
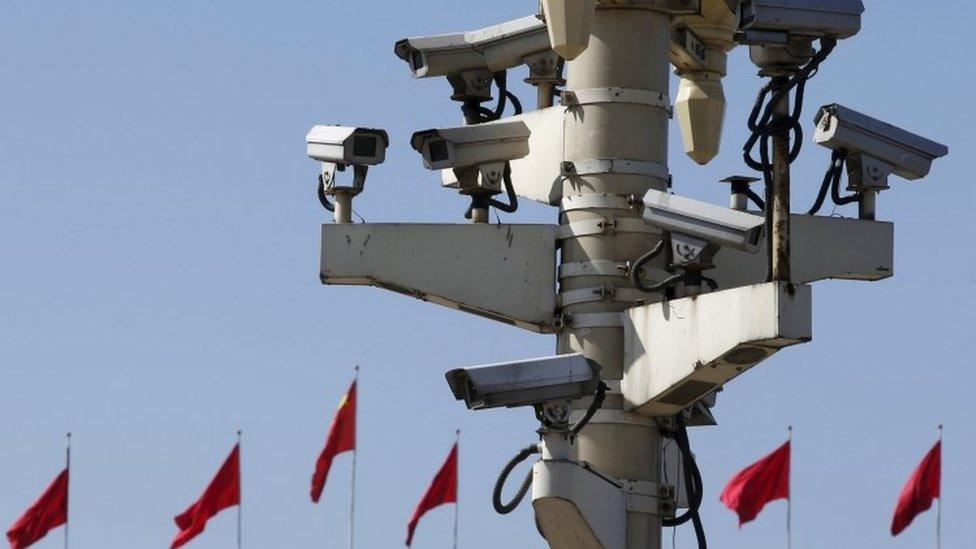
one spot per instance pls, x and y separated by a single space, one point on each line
603 166
585 202
605 226
607 268
594 320
601 293
599 96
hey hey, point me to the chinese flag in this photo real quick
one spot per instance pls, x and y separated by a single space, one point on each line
341 438
762 482
442 490
923 487
47 513
223 492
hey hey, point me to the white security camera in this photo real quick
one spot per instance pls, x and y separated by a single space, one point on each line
347 146
494 48
877 149
526 382
337 147
713 224
478 154
776 21
696 232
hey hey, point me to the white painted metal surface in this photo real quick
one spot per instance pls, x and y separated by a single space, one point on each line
503 272
822 248
679 351
577 508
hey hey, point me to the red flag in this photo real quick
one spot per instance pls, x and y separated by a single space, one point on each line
341 438
924 486
441 491
762 482
47 513
223 492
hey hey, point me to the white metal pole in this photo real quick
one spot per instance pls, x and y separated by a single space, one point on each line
457 498
355 454
789 500
240 488
938 517
67 522
629 49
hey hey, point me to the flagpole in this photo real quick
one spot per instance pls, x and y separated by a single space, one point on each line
355 454
789 500
457 503
938 516
240 502
67 459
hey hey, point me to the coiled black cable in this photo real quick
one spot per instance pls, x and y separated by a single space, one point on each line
638 266
763 124
512 205
596 404
496 496
475 113
323 199
694 484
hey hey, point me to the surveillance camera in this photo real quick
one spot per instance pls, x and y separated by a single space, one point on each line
494 49
526 382
347 146
702 221
775 21
482 149
877 148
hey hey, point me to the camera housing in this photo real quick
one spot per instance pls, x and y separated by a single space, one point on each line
775 21
494 49
703 221
347 146
875 149
478 154
532 382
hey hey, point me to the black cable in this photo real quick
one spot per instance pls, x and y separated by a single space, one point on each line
512 205
323 199
516 104
596 404
638 266
836 163
835 190
762 120
756 199
695 486
496 498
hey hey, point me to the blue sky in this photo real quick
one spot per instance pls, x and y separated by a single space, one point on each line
159 284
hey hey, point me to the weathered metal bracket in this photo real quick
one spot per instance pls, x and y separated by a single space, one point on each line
597 96
822 248
623 166
677 352
484 269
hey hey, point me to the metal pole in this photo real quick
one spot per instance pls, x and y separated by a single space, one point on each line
68 468
628 49
240 480
355 454
938 517
789 500
343 207
457 498
781 189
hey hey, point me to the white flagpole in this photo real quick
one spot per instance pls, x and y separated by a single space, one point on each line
355 454
789 500
68 468
457 503
938 518
240 487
